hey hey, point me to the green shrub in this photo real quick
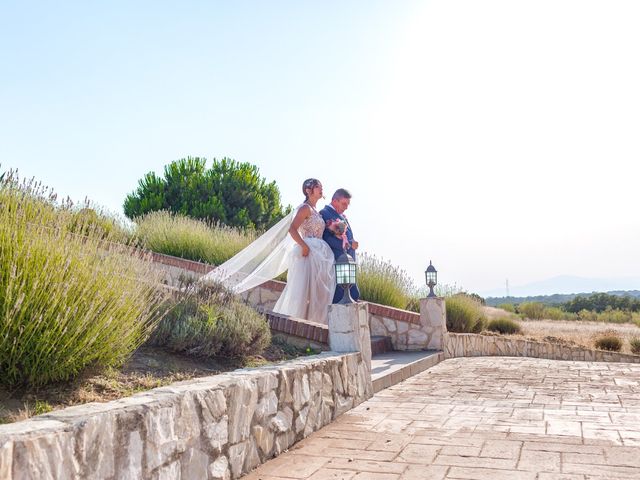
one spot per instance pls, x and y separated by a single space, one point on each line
381 282
504 325
615 316
587 315
609 341
67 301
554 313
507 307
464 314
532 310
184 237
634 344
210 320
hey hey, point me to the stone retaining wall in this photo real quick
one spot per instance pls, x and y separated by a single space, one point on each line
265 296
475 345
402 327
177 270
208 428
409 330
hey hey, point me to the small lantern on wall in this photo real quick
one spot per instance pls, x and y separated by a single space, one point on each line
346 276
432 278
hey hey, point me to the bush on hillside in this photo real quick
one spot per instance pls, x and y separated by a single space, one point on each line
634 344
504 325
587 316
615 316
555 313
209 321
532 310
464 314
67 301
507 307
608 341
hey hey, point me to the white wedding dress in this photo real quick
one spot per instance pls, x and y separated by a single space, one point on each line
310 280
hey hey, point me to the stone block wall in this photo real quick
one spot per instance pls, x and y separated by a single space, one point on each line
403 327
475 345
265 296
177 271
208 428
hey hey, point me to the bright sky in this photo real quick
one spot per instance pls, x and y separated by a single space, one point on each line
497 138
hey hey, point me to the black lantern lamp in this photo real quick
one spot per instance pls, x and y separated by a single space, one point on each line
432 278
346 276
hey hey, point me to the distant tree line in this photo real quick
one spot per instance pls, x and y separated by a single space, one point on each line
560 300
599 302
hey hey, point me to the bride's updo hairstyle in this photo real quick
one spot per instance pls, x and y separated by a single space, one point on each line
309 184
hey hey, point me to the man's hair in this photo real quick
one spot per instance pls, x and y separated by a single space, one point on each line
341 193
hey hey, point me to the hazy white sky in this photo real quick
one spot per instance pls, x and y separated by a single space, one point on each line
497 138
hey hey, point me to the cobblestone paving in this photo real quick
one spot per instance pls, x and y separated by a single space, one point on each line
483 418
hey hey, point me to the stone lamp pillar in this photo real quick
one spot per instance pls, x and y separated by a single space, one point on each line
433 318
349 332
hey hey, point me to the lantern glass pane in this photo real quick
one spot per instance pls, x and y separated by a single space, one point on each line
341 273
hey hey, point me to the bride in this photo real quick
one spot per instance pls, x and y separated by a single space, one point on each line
294 244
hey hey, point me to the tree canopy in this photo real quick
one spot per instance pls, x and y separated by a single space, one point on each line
229 192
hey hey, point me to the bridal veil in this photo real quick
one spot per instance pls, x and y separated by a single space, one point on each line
262 260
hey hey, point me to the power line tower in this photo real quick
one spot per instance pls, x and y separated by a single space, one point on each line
507 282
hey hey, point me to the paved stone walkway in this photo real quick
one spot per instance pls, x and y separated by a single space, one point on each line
483 418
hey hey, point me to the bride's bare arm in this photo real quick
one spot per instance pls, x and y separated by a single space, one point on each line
302 214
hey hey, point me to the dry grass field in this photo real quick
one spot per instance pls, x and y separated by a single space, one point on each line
577 332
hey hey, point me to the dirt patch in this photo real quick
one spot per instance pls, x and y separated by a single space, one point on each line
148 368
579 332
493 313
